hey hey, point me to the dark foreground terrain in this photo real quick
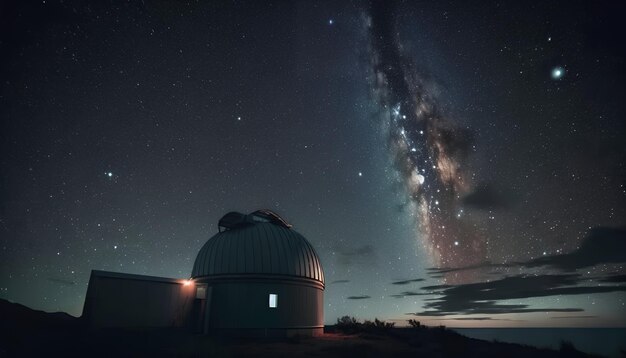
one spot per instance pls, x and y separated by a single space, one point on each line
25 332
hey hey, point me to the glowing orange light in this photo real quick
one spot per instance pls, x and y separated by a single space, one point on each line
187 282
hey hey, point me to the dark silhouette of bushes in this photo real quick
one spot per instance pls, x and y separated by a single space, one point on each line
414 324
379 325
347 324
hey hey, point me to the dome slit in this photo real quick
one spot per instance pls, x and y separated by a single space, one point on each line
290 263
282 251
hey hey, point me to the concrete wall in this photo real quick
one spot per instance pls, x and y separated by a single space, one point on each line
244 305
134 301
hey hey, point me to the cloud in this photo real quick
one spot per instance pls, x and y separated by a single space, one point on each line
405 282
485 196
340 281
476 319
439 271
472 319
602 245
363 297
360 255
484 297
412 293
613 279
359 251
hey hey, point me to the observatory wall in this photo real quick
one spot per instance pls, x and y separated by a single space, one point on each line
136 301
242 307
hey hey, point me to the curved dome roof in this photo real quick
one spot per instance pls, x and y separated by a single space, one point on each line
258 243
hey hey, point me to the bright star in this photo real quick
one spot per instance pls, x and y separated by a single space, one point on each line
360 174
330 22
558 73
109 174
456 243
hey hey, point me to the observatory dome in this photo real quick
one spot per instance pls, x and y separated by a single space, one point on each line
260 243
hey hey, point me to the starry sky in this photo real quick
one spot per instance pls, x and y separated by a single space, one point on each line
456 163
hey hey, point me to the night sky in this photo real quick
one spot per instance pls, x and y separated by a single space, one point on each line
462 163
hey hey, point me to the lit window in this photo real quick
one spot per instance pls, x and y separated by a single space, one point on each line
201 292
273 300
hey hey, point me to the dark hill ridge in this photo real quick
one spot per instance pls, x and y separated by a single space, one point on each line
17 317
26 332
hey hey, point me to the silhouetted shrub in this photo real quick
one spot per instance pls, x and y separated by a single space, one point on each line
382 325
377 325
347 324
414 324
347 321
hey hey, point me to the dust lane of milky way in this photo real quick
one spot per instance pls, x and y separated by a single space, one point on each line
428 150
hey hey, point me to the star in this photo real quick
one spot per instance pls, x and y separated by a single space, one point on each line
360 174
109 174
558 73
331 21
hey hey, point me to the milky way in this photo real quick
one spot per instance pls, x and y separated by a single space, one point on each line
428 150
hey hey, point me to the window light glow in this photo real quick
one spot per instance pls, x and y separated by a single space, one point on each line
273 300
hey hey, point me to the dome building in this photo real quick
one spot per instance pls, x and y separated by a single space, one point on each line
256 277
